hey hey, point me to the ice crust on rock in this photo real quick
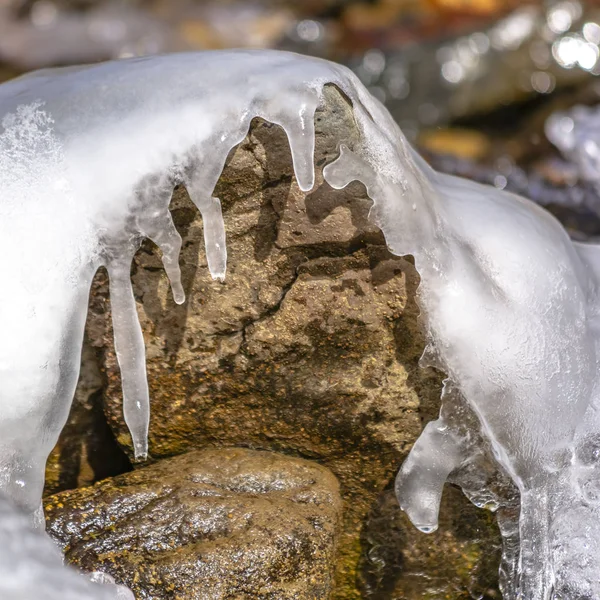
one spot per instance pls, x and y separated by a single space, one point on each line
88 160
31 566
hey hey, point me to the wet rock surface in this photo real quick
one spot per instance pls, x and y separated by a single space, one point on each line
310 347
226 523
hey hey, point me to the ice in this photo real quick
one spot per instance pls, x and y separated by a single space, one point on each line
88 160
31 566
512 313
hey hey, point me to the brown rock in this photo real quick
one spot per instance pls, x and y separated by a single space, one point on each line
227 523
309 348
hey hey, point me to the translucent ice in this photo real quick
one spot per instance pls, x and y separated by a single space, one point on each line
88 159
31 566
512 313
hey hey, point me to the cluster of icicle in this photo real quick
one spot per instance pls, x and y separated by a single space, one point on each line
89 157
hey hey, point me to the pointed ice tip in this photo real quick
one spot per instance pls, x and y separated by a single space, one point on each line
140 451
178 294
140 456
306 184
179 298
426 528
220 276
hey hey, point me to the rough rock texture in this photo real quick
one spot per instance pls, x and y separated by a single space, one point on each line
208 525
309 348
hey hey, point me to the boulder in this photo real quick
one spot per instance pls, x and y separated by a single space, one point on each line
309 348
207 525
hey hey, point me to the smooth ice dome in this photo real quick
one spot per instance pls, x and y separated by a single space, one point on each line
89 157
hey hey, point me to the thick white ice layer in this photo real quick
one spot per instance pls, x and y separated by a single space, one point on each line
88 160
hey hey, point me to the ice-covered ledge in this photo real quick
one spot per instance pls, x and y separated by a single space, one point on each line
103 147
296 350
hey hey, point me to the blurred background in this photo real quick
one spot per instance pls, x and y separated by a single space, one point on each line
471 82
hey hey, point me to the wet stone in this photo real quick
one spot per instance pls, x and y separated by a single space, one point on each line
212 524
310 346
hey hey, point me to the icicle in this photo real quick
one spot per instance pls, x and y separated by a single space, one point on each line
214 237
421 480
301 135
200 181
154 221
169 241
131 355
439 450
